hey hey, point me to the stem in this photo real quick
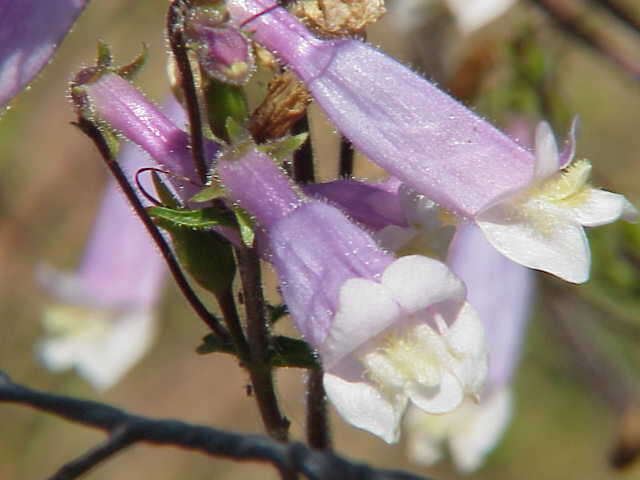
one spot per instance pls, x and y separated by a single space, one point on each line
318 435
227 304
303 157
568 19
259 366
175 31
347 154
93 132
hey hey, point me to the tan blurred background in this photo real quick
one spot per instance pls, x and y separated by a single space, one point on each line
50 185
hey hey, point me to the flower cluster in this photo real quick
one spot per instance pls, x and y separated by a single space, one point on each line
394 284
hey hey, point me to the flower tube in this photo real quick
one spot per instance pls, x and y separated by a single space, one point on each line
30 32
532 206
389 331
103 320
112 100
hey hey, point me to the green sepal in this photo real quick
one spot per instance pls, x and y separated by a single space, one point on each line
225 101
167 197
207 257
245 223
236 131
198 219
129 71
104 59
208 193
284 351
281 149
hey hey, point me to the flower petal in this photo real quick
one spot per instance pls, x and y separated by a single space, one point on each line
546 150
443 398
365 309
417 282
363 406
558 246
569 151
102 357
481 432
30 32
600 208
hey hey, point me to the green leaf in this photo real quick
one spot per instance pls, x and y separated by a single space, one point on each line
284 352
211 343
292 352
246 226
210 192
276 312
200 218
281 149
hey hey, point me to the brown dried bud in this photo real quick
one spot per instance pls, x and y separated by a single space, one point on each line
286 101
339 17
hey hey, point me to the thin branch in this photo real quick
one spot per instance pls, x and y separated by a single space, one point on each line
258 334
318 434
622 13
93 132
303 170
177 41
314 464
117 441
568 19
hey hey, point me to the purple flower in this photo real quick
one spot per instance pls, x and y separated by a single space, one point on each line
30 32
103 319
389 332
529 208
474 429
114 101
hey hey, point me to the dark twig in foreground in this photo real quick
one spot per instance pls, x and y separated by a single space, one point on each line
127 429
93 132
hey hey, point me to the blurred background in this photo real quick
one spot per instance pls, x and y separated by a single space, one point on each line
566 423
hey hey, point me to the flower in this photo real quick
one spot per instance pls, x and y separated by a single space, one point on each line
110 99
542 226
389 331
102 320
440 149
410 224
30 32
473 430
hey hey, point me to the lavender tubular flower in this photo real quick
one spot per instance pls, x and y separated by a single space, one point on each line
473 430
531 206
389 332
114 101
30 32
103 320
